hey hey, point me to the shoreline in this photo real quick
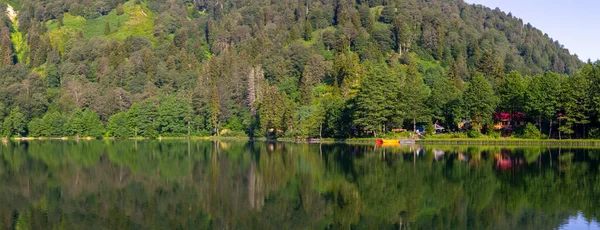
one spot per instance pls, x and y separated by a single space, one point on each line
457 141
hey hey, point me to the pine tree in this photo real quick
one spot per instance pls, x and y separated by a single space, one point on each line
480 100
377 104
215 109
107 28
414 94
308 29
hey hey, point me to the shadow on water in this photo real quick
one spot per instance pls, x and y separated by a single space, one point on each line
271 185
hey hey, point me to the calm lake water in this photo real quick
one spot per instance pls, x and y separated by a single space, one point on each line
257 185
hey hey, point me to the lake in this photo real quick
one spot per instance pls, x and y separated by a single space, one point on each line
260 185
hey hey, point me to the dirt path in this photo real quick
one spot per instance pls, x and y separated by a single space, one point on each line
12 14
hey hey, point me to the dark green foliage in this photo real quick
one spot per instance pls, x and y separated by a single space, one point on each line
173 68
14 124
173 117
480 100
85 123
414 94
52 76
512 93
378 104
530 132
119 126
142 119
107 28
51 125
387 14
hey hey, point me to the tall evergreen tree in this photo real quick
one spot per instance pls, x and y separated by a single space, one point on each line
377 104
480 100
414 94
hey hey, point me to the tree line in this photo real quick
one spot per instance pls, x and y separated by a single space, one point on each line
330 68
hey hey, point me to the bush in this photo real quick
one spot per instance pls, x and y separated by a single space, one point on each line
233 133
391 135
530 132
457 135
429 130
474 133
494 134
594 133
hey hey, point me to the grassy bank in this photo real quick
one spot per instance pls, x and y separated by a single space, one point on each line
427 141
510 141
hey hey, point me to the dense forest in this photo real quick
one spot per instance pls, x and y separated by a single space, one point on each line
296 68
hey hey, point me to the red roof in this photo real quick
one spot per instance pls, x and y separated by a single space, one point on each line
502 116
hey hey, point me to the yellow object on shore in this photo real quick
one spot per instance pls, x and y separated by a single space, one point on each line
395 144
387 142
390 141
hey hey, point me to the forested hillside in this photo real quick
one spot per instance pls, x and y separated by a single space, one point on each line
330 68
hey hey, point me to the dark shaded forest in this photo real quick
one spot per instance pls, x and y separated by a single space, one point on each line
310 68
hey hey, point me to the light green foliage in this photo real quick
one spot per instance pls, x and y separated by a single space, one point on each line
51 125
530 132
512 93
118 125
543 95
14 124
85 123
429 130
135 21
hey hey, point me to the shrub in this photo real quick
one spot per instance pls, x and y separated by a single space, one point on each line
494 134
530 132
474 133
429 130
594 133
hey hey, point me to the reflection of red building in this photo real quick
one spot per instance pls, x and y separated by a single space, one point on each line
507 122
506 161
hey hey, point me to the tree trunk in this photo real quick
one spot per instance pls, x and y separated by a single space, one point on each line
321 131
559 134
540 121
414 125
550 129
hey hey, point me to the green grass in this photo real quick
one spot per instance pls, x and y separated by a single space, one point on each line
95 27
140 22
20 43
137 20
72 26
315 35
510 141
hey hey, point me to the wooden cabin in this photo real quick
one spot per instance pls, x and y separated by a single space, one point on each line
507 122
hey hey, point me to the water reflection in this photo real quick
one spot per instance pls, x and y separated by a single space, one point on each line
227 185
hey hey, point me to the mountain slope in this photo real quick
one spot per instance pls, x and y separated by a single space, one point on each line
226 60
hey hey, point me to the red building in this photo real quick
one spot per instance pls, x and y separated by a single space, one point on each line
507 122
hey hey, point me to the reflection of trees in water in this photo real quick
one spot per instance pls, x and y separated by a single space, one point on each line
174 184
